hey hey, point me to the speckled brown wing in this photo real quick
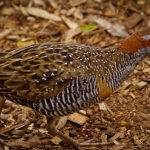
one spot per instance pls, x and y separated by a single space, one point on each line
38 71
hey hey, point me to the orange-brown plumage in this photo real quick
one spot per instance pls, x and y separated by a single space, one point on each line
135 42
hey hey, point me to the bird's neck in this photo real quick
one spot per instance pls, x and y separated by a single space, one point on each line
136 43
123 66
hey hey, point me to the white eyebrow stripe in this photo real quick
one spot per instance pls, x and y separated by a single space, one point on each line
146 37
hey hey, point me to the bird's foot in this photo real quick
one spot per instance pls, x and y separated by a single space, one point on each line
51 126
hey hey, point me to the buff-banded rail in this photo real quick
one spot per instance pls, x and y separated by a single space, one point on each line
57 79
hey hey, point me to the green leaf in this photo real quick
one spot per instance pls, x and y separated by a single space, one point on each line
88 27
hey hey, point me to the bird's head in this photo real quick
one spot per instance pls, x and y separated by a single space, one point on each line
137 42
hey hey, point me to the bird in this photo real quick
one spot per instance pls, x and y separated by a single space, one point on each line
57 79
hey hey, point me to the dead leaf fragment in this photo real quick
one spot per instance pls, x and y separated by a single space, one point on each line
104 138
22 43
4 33
133 20
145 116
71 24
137 140
38 12
109 13
78 118
17 126
19 143
146 124
39 2
124 123
141 2
141 85
53 3
114 29
70 34
116 136
77 2
56 140
62 122
102 106
116 143
78 14
1 4
7 11
146 70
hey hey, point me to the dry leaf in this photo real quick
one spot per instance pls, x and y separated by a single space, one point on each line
116 136
145 124
39 2
113 29
22 43
62 122
20 143
7 11
136 140
78 118
69 23
17 126
53 3
56 140
146 70
102 106
133 20
70 34
109 12
141 85
104 138
105 107
77 2
38 12
4 33
78 14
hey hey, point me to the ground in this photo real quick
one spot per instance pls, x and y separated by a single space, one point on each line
125 123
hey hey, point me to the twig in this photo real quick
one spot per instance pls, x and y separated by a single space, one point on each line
5 143
17 126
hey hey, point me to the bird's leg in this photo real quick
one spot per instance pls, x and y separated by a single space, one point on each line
52 128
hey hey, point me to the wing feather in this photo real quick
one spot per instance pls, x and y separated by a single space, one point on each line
37 71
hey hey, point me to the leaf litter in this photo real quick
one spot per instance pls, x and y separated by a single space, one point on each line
124 124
